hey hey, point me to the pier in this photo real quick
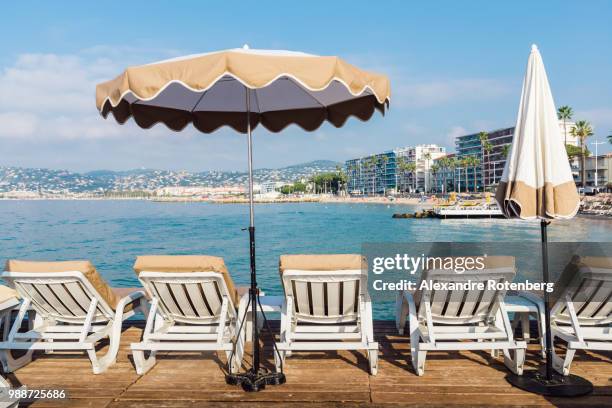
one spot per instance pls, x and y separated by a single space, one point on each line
316 378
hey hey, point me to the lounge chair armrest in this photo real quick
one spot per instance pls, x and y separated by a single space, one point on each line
131 298
409 299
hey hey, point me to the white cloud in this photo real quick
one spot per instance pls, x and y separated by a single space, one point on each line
51 97
17 124
426 94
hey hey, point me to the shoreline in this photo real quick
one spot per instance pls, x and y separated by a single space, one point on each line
236 200
414 201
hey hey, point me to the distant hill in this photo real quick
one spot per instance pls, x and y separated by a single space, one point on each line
46 180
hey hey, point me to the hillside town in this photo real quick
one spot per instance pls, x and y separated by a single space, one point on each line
44 183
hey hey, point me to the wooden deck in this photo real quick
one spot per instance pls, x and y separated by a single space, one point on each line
313 379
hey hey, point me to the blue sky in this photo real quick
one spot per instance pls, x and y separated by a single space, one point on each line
456 67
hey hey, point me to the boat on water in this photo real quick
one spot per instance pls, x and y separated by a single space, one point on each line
480 210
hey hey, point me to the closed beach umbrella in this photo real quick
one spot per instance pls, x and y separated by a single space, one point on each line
537 183
243 89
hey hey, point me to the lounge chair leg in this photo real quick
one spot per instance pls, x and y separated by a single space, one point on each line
515 365
101 364
542 334
562 365
143 364
418 361
279 360
373 360
401 313
49 351
10 363
494 353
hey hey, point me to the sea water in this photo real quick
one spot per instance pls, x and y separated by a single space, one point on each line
112 233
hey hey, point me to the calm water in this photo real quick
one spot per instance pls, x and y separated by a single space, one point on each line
112 233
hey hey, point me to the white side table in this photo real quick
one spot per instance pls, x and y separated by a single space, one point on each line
269 304
523 305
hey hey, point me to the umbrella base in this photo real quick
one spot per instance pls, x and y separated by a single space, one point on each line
559 386
252 381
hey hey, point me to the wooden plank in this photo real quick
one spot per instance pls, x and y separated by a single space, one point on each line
317 379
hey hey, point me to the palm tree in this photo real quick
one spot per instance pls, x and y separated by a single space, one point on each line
475 162
400 165
484 142
582 130
427 157
434 170
384 160
466 163
488 148
411 167
342 179
565 113
444 164
505 150
453 164
610 137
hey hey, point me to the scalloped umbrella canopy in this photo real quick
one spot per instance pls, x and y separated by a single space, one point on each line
210 91
537 181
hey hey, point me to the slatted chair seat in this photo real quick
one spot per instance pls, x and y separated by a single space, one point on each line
326 306
446 320
194 307
581 313
74 309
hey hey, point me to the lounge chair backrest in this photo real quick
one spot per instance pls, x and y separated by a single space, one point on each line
587 282
63 296
324 287
189 288
328 295
188 297
465 306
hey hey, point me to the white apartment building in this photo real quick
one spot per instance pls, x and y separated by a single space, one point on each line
423 156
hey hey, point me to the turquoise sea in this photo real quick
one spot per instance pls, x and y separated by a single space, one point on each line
112 233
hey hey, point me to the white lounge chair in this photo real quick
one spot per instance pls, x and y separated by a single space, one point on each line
9 300
74 309
581 313
193 308
326 306
449 320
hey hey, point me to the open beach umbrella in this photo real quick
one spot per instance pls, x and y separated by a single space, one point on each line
243 89
537 183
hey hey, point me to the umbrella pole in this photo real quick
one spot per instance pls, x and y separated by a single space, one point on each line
256 378
547 381
545 275
253 288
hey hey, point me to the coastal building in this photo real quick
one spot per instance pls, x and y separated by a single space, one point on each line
491 164
371 175
179 191
399 170
267 187
603 171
